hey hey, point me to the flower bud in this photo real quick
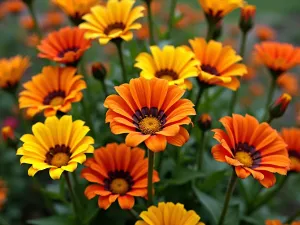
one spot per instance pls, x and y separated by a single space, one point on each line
278 108
28 2
204 122
7 133
99 71
247 17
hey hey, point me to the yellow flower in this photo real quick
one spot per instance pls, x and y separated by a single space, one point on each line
113 21
58 145
172 64
161 215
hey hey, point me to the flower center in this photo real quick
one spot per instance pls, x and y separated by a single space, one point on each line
149 121
62 53
118 182
247 155
294 157
58 156
244 158
210 69
54 98
119 186
167 74
113 28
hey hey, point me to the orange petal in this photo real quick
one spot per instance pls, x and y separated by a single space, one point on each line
180 139
135 138
269 179
156 143
241 172
126 201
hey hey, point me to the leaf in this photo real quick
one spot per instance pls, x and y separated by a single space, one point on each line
57 220
251 220
233 215
182 176
212 180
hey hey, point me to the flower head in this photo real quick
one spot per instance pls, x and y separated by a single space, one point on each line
289 83
150 111
291 138
161 215
215 10
247 17
252 148
55 89
113 21
99 71
118 172
7 133
277 57
64 46
162 63
13 6
219 64
278 108
278 222
12 70
265 33
204 122
58 145
3 193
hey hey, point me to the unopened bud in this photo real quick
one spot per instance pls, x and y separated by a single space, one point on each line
278 108
7 133
28 2
247 17
99 71
204 122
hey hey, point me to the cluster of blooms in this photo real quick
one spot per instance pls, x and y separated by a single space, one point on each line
150 109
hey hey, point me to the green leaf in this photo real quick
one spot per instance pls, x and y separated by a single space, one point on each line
251 220
233 215
212 180
57 220
182 176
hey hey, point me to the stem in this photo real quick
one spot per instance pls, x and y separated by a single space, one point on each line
34 18
230 189
293 217
150 23
150 177
3 221
134 214
200 93
269 98
118 43
171 18
104 88
210 30
200 151
242 53
87 116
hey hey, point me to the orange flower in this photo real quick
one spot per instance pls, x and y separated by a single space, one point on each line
150 111
7 133
3 193
247 17
278 108
252 148
143 33
64 46
289 83
204 122
278 57
118 172
13 6
219 64
278 222
251 73
291 138
265 33
27 22
32 40
188 15
55 89
52 19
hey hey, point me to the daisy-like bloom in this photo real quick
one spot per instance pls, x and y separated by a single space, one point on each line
215 10
12 70
277 57
278 222
160 215
75 9
113 21
64 46
3 193
265 33
13 6
58 145
252 148
150 111
55 89
163 63
289 83
291 138
118 172
219 64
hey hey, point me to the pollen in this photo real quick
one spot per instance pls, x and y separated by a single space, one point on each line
60 159
244 158
119 186
149 125
57 101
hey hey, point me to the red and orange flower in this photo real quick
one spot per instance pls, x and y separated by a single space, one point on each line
3 193
278 222
118 172
150 111
64 46
252 148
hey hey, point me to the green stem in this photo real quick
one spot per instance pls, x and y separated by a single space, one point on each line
150 176
34 18
200 151
150 23
269 98
104 88
3 221
229 192
134 214
118 43
210 30
236 93
199 96
292 218
171 18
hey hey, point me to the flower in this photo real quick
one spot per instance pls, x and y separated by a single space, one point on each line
113 21
7 133
278 222
278 108
58 145
215 10
11 71
64 46
161 215
247 17
150 111
219 64
99 71
251 73
188 15
27 22
3 193
118 172
52 19
204 122
76 8
265 33
163 63
252 148
13 6
291 138
289 83
277 57
55 89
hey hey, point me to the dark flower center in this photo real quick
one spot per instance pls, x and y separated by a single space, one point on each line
114 26
149 121
59 155
210 69
62 53
167 74
118 182
295 154
247 155
54 98
214 17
